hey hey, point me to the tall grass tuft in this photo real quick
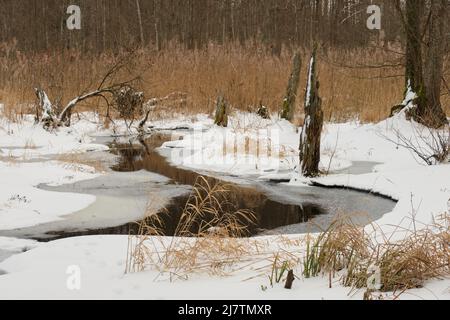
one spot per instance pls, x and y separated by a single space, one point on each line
206 237
347 250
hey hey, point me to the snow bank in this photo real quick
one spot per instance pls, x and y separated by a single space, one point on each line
28 140
11 246
422 195
100 262
23 204
249 146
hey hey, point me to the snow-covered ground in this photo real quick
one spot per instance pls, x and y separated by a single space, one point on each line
22 204
249 146
10 246
50 271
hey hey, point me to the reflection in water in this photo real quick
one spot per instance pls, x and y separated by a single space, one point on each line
270 214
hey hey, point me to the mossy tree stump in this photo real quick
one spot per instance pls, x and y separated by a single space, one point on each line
221 117
288 107
312 127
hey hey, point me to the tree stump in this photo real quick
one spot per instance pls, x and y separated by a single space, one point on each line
263 112
44 107
312 127
221 117
287 110
289 280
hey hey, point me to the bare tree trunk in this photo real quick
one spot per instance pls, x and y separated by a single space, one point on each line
414 82
433 115
312 127
156 15
141 30
426 85
414 72
287 111
104 27
413 56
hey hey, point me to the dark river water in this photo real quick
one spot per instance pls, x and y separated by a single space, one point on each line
278 208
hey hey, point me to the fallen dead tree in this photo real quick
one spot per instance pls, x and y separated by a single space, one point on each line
51 119
121 95
174 98
169 102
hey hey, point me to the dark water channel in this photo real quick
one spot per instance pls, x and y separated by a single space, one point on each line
270 214
278 208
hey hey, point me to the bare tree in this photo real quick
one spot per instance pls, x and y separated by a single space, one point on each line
426 84
433 115
141 29
412 23
193 23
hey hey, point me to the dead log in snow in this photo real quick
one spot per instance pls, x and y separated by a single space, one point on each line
128 102
66 113
172 100
312 127
49 119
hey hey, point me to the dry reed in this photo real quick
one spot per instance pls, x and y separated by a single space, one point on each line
212 245
245 76
206 236
421 255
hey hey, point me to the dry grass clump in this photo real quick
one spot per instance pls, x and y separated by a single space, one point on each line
405 264
206 237
209 210
421 256
74 160
335 249
281 263
410 262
